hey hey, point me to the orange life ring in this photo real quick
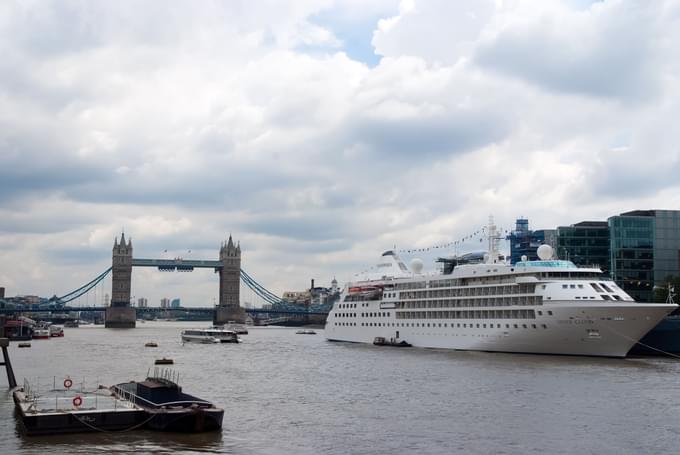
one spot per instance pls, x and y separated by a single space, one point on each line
77 401
68 383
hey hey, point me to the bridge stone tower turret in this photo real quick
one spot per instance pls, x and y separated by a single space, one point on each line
120 314
229 308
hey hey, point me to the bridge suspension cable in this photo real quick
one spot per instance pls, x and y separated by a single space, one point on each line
258 289
83 289
265 294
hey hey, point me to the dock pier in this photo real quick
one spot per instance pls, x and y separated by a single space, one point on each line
4 344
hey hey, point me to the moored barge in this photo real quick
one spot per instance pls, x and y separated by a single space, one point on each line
167 406
66 410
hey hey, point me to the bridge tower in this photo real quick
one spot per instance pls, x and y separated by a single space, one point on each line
229 308
120 315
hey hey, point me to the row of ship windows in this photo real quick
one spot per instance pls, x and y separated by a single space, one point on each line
485 314
435 325
382 314
446 314
474 302
458 303
363 297
349 305
523 288
478 314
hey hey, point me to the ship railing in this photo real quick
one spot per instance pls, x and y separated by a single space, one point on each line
51 394
40 385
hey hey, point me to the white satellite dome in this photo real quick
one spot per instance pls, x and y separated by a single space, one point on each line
416 265
544 252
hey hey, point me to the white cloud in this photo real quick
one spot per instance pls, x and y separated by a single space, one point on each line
185 123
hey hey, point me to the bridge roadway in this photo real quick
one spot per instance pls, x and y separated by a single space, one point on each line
66 309
178 264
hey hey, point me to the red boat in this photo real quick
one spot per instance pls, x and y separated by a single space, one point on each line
41 334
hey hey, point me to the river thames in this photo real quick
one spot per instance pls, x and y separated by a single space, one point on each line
285 393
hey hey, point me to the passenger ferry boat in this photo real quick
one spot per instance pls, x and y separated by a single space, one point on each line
222 334
199 336
547 306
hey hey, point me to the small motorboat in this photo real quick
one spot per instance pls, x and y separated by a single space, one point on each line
395 342
305 332
24 344
56 331
167 407
41 334
164 361
151 344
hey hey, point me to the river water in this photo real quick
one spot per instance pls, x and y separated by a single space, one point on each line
285 393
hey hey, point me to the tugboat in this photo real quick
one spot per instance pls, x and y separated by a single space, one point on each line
168 408
395 342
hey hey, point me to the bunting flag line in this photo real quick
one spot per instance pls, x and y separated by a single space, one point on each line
480 233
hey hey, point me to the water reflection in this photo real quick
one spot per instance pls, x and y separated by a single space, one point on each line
123 442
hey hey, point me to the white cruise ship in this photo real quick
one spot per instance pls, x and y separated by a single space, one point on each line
547 306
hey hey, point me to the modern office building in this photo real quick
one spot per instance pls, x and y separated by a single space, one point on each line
585 244
644 250
176 303
525 242
165 302
142 302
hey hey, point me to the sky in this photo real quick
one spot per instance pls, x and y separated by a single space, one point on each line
320 133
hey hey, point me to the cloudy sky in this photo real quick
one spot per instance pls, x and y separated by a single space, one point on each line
320 133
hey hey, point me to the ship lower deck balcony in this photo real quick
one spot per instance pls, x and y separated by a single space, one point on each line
468 314
496 301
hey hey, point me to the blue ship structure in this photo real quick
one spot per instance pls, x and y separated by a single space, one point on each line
662 339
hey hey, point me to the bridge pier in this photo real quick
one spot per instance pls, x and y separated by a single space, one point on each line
224 314
120 317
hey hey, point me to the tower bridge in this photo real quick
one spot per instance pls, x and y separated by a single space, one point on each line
121 315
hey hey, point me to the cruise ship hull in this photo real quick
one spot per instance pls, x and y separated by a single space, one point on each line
608 330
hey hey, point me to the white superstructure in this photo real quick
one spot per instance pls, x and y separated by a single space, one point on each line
205 336
546 306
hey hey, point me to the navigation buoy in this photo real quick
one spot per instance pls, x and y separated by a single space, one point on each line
68 383
77 401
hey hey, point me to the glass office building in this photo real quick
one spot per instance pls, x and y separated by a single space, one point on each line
585 244
644 250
